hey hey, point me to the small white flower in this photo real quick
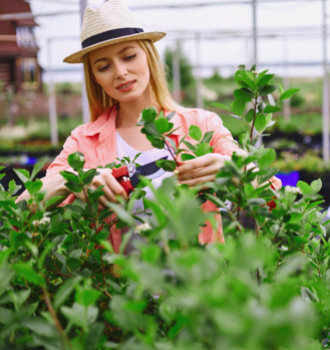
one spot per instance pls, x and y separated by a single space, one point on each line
82 158
142 228
43 221
291 189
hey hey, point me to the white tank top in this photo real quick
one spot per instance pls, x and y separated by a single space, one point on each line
125 150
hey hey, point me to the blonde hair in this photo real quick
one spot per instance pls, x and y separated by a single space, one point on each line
99 101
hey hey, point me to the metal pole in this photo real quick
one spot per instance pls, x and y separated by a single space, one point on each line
84 100
325 109
52 98
255 33
199 73
286 81
176 73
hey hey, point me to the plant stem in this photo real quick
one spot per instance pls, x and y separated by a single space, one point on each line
254 118
172 154
63 337
104 291
103 271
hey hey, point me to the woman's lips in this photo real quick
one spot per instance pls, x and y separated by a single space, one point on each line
126 87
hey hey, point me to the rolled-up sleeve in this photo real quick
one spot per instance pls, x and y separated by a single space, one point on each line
61 161
222 140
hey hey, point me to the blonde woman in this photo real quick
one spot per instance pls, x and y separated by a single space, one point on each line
124 75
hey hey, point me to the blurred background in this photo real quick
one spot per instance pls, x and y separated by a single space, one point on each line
42 99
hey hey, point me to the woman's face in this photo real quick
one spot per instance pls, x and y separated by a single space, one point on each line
122 70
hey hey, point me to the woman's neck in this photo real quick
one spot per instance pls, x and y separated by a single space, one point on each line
129 113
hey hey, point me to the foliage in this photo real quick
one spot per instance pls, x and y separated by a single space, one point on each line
186 69
63 286
309 162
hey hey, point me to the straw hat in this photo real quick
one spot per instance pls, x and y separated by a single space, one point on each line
112 23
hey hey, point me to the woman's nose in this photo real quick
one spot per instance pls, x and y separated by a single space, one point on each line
121 71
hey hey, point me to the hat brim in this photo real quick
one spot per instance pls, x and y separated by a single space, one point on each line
77 57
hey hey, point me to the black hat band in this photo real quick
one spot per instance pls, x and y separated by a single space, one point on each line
110 34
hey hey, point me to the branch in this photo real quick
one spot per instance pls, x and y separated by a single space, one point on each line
104 291
63 337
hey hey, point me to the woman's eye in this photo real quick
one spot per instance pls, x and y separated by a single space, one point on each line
129 57
103 68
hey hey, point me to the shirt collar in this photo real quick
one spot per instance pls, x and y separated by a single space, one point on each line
107 120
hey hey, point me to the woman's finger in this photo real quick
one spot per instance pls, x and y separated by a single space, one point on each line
199 162
198 181
200 172
115 187
108 194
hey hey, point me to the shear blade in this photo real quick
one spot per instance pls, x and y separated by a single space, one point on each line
146 170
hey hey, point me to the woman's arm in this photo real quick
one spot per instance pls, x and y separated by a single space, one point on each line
54 187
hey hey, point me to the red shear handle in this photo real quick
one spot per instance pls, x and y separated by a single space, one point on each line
122 176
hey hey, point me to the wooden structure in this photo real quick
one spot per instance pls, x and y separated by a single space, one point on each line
19 66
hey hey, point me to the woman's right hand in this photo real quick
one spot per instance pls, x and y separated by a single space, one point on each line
111 188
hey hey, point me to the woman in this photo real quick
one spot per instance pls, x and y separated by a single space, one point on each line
124 75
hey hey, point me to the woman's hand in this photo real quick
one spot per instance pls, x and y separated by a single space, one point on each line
200 170
111 188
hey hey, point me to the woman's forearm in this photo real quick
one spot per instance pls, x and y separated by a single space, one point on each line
54 187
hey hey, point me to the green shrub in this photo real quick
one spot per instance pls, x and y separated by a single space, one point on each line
266 288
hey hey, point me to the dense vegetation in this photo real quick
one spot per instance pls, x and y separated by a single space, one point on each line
63 286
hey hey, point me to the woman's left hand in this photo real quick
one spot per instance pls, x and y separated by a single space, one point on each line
200 170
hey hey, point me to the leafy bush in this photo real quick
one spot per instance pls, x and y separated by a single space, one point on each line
63 286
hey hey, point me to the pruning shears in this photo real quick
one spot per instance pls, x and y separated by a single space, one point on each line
129 176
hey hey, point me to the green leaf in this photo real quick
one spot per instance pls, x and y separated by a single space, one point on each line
238 107
123 214
88 176
220 105
76 161
149 114
186 156
244 94
203 149
86 296
245 79
249 116
22 174
305 188
190 146
162 125
65 290
12 185
151 129
33 187
158 143
73 263
267 90
316 186
207 137
170 116
37 167
260 123
288 93
281 90
272 109
266 156
265 79
195 132
28 273
167 165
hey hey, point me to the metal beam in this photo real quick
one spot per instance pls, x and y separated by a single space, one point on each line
52 97
176 73
325 109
